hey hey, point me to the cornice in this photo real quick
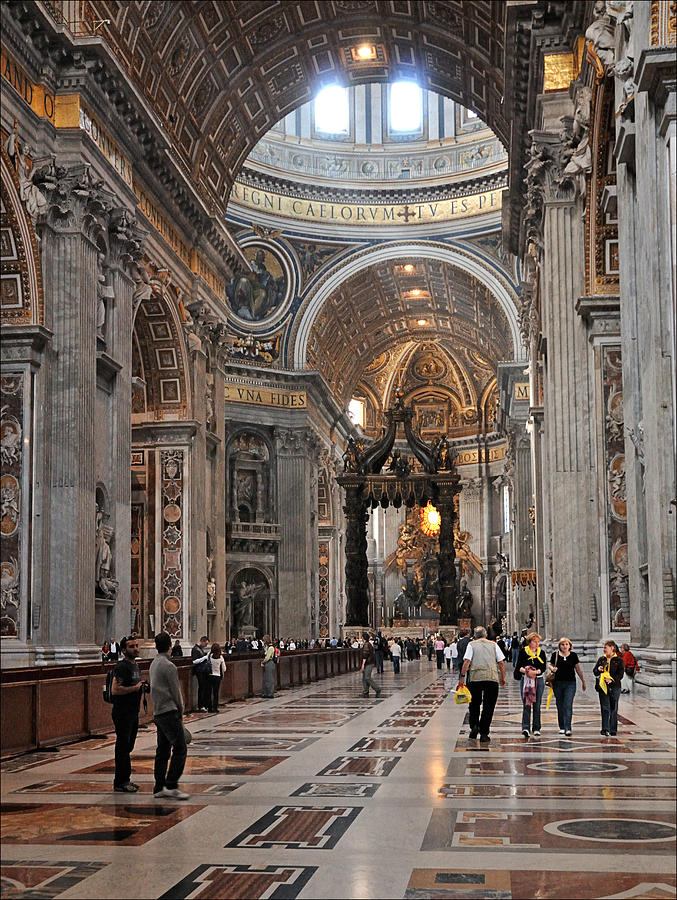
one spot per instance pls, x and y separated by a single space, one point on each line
412 193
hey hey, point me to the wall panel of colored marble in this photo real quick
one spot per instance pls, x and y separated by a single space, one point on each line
18 717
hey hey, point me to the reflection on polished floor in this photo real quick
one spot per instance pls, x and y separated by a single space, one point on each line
320 793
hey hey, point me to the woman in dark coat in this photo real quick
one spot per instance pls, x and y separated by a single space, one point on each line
609 667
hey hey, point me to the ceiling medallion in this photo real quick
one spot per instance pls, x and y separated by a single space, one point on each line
429 367
430 520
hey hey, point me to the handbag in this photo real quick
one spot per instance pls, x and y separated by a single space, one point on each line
550 677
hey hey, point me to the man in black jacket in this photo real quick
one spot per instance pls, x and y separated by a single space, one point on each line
127 688
201 670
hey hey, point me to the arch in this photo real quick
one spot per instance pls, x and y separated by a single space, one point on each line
456 256
160 355
22 297
262 61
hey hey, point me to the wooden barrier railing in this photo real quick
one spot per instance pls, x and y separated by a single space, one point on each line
42 707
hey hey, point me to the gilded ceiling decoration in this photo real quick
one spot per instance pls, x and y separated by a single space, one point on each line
421 322
221 73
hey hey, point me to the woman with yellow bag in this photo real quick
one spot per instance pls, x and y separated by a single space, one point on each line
609 671
530 671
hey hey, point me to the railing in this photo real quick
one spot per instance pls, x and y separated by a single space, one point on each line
266 531
76 15
43 707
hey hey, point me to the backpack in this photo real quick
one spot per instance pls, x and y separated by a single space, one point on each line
108 686
462 646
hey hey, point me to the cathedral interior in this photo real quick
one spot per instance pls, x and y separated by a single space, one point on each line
320 316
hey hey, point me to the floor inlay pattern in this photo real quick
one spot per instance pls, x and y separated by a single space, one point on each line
198 765
242 882
393 792
298 828
563 829
361 765
92 824
100 787
525 885
32 879
320 789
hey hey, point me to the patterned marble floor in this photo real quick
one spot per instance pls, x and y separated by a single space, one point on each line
321 793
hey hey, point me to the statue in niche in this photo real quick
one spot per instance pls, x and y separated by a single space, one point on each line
106 585
211 594
246 489
209 402
246 593
104 293
464 600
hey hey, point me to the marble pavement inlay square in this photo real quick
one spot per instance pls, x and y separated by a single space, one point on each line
525 884
320 789
621 832
298 828
61 823
212 882
32 879
361 765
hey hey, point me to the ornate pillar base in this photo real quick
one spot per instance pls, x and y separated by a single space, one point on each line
657 674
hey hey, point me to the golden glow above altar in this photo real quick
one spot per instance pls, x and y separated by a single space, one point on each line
430 520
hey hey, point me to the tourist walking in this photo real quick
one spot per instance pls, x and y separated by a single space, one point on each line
379 646
565 665
126 688
218 670
201 669
165 692
631 668
484 666
439 650
396 656
268 664
608 677
368 667
530 671
448 650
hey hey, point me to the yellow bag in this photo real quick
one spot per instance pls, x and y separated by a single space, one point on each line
462 696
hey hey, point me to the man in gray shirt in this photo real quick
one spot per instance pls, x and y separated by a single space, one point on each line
165 692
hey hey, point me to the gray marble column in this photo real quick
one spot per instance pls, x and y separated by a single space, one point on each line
295 453
69 254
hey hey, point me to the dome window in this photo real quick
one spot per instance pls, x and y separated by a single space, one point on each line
406 107
331 110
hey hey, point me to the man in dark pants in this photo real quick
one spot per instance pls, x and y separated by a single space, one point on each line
165 692
482 662
202 670
378 653
368 667
126 688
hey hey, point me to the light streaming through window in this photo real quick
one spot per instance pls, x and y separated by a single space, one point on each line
331 110
356 411
406 106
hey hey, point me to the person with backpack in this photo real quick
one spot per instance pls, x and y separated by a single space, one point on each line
202 670
126 688
168 717
461 647
368 666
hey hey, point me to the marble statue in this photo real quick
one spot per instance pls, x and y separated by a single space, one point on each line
211 594
602 33
106 584
464 600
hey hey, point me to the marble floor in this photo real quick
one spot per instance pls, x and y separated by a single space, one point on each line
321 793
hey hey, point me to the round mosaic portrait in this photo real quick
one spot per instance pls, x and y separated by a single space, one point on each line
259 293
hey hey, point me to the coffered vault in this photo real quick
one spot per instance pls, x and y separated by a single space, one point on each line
220 74
407 301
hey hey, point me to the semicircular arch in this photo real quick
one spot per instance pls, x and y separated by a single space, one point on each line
463 259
